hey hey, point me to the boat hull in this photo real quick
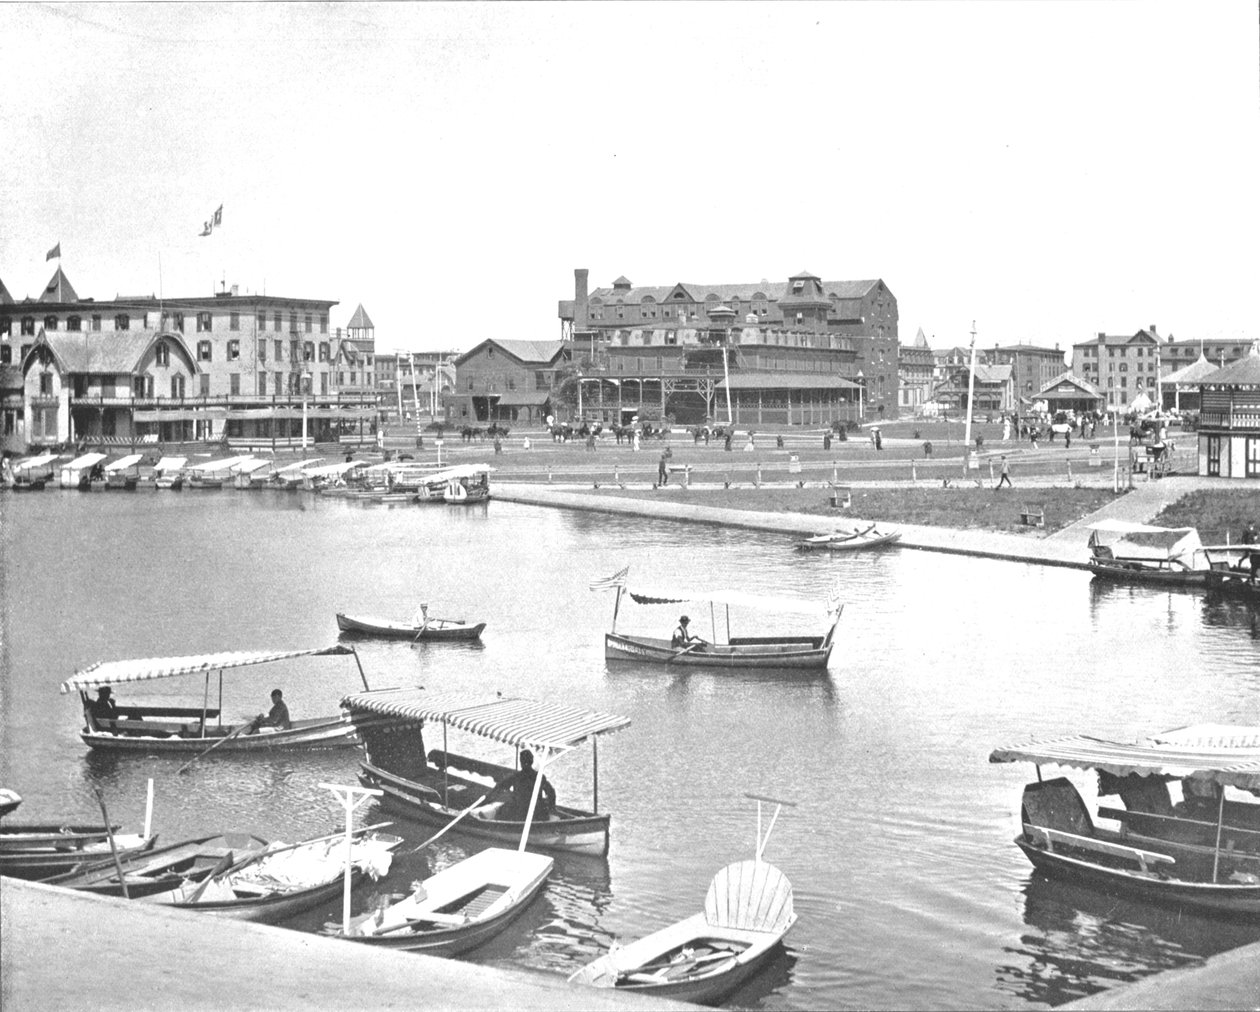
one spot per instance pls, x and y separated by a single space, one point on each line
573 831
848 543
159 870
1135 572
1230 899
1233 583
329 732
809 653
437 629
40 852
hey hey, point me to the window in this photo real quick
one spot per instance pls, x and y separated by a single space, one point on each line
324 351
279 351
323 382
50 322
234 321
6 354
74 323
1252 451
234 350
262 321
45 384
205 384
309 322
162 353
262 384
1214 456
278 321
470 382
262 351
177 321
6 326
203 351
28 325
96 321
278 386
308 351
323 323
203 323
511 383
293 323
234 383
122 322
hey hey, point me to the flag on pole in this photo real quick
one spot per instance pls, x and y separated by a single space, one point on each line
218 216
54 253
616 580
214 220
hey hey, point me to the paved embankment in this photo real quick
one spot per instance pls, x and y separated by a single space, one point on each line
71 950
1228 981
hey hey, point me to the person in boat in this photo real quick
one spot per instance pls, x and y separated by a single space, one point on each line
682 635
277 717
519 788
103 706
422 617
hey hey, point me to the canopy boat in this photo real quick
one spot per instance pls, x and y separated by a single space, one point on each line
214 474
39 851
418 631
169 473
31 474
783 651
1201 852
1140 553
161 869
9 800
124 472
252 473
846 541
459 908
150 729
331 479
78 472
747 912
1235 572
467 484
427 788
290 477
281 880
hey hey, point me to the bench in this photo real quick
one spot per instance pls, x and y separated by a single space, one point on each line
477 767
1049 837
1030 517
841 496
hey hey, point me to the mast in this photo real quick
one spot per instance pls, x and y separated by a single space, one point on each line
971 389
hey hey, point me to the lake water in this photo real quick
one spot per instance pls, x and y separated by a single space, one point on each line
909 890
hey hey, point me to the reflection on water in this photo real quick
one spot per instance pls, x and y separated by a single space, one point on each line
908 888
1228 611
1083 942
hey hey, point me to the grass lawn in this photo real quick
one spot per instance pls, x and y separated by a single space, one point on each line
1215 512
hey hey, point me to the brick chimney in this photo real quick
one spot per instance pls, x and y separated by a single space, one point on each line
579 286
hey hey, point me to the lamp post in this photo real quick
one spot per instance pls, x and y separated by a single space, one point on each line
305 381
861 382
969 460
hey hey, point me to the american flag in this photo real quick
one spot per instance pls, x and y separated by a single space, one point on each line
618 579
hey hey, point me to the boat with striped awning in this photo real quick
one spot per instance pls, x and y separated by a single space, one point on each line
157 728
436 786
1189 830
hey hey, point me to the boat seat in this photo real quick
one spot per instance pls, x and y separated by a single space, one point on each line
1049 837
749 895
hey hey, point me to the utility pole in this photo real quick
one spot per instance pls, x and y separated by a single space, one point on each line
968 460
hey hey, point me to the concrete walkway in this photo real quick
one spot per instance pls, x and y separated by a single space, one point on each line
71 950
1228 981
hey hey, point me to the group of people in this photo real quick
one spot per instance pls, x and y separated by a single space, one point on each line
104 708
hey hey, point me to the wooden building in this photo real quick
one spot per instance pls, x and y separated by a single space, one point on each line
1229 419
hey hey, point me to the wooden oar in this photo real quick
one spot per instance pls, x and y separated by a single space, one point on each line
225 862
113 849
227 737
441 832
687 961
684 650
258 855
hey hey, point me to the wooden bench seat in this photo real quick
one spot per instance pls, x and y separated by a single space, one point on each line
478 767
841 496
1030 517
1050 837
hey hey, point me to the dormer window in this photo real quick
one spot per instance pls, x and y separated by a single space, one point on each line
798 287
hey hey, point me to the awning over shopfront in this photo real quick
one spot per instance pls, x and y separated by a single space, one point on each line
786 381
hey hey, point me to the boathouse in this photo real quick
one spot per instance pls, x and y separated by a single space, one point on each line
1229 419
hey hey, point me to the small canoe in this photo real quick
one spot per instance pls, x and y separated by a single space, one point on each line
283 880
162 869
434 629
9 800
847 541
459 908
42 851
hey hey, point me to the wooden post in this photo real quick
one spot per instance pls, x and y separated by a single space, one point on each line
1220 818
350 803
595 775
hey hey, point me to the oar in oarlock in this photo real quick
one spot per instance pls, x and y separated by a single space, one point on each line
450 825
684 650
227 737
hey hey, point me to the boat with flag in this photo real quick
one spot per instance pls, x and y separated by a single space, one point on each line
783 650
1188 834
434 787
156 728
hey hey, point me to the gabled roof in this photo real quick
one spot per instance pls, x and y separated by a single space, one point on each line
59 289
360 320
772 291
5 298
532 352
1192 373
993 373
1243 373
118 353
1071 378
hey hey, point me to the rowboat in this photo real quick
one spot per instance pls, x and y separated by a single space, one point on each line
459 908
428 629
152 728
280 880
39 851
9 800
703 958
1199 852
1141 553
466 484
787 651
161 869
846 541
433 788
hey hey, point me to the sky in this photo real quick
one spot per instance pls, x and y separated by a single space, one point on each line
1046 170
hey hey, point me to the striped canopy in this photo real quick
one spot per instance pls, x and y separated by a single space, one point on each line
518 722
114 672
760 602
1239 767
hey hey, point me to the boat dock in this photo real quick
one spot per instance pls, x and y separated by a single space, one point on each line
66 950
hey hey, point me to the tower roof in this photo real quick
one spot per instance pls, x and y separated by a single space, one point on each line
5 298
360 320
59 289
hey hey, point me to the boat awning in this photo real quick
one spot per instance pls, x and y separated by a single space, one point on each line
1233 768
87 460
518 722
1212 736
252 465
116 672
170 464
299 465
331 469
122 463
43 460
219 465
760 602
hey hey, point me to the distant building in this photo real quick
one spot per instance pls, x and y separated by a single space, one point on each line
1229 419
1032 367
405 379
992 391
1067 392
506 382
1219 351
915 374
1120 366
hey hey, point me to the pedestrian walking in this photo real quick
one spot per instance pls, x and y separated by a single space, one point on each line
1005 478
662 472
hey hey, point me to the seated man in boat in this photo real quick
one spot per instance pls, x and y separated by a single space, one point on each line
682 635
519 787
277 717
103 706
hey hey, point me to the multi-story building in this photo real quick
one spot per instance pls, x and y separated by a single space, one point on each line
1032 367
1220 351
856 319
916 370
140 368
1121 366
506 382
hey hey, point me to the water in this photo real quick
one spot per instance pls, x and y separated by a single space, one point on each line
909 890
